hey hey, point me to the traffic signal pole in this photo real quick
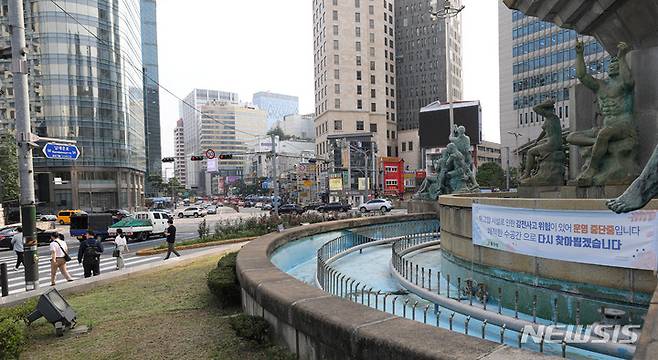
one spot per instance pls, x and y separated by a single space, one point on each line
275 177
24 140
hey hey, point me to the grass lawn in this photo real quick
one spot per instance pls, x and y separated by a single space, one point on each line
162 314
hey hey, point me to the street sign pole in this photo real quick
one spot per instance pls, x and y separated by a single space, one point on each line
24 137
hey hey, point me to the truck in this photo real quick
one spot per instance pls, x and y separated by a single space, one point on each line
96 223
141 225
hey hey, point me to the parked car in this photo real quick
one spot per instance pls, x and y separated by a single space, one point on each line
192 211
291 209
64 216
47 217
335 206
212 209
313 206
8 232
376 204
142 225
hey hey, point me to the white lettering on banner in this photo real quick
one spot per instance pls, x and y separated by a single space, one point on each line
590 237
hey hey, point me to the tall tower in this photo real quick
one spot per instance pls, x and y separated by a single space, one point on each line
355 77
180 163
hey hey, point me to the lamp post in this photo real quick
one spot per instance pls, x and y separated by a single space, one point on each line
516 139
447 13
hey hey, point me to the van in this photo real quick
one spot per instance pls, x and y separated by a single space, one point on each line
64 216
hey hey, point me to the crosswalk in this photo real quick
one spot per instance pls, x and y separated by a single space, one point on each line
16 279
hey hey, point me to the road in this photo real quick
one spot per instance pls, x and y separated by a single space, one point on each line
186 230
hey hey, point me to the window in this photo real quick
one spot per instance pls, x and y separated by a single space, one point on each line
358 46
372 23
373 128
372 79
371 10
357 31
359 125
336 59
388 134
156 215
372 51
411 145
358 60
359 104
392 182
358 90
335 29
338 124
373 107
357 17
337 89
372 65
404 146
358 74
336 74
337 103
335 44
393 134
391 169
357 3
373 93
372 37
335 15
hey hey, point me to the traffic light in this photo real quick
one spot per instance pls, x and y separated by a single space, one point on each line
197 158
168 159
225 156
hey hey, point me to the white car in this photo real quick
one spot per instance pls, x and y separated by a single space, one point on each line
192 211
376 204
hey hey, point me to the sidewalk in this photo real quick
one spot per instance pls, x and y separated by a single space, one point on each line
83 284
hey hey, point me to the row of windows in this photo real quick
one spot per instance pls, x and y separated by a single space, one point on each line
522 102
593 68
562 113
488 149
531 28
338 126
543 61
408 145
562 36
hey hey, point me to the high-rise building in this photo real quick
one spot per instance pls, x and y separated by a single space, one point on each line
421 59
298 126
537 62
190 113
277 106
88 87
151 91
180 163
354 56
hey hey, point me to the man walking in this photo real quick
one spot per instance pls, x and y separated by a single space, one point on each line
89 255
17 245
171 239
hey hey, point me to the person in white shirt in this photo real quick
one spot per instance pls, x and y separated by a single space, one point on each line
58 252
121 246
17 245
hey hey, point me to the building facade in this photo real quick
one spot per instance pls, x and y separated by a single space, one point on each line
421 59
151 91
355 80
81 89
297 126
277 106
180 163
537 62
487 151
191 115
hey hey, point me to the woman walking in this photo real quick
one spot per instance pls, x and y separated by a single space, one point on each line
121 246
58 257
17 244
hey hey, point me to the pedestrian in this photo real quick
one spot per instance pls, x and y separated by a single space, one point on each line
89 255
17 245
120 246
59 255
171 239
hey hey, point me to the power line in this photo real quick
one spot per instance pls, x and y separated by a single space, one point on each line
141 70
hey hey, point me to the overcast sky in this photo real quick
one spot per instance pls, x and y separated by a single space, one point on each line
263 45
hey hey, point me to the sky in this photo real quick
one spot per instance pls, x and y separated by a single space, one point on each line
248 46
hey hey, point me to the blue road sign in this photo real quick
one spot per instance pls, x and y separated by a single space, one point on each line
61 151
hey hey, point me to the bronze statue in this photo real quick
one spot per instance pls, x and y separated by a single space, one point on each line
612 158
641 191
545 160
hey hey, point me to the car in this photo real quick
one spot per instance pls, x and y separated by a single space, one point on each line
211 209
259 205
64 216
375 205
291 209
334 206
192 211
267 207
141 225
312 206
47 217
8 232
249 204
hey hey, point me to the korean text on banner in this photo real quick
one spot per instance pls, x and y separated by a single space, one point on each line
590 237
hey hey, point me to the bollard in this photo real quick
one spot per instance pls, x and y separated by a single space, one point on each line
450 320
429 279
448 287
502 333
485 298
369 291
500 300
564 348
385 296
484 326
577 312
422 276
395 299
468 318
438 318
541 344
413 311
459 289
416 274
438 282
425 314
404 308
363 290
4 283
470 298
534 309
516 304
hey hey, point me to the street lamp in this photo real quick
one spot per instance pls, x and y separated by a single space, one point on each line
446 13
516 138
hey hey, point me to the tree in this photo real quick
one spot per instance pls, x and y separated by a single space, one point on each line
9 187
277 131
491 175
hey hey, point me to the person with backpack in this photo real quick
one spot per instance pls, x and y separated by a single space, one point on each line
59 255
17 245
89 255
120 246
171 239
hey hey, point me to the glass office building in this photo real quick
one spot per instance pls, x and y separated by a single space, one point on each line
86 87
277 106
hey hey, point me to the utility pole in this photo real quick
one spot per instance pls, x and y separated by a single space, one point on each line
507 174
275 177
24 140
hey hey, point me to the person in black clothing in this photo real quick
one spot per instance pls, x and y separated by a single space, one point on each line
171 239
89 255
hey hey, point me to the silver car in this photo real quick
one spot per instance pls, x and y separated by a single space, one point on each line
382 205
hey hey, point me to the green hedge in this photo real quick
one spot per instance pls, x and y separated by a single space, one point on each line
251 328
223 281
13 331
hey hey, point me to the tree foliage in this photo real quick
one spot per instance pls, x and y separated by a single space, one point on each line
491 175
9 187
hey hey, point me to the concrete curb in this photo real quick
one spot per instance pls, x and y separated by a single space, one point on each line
149 252
81 285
